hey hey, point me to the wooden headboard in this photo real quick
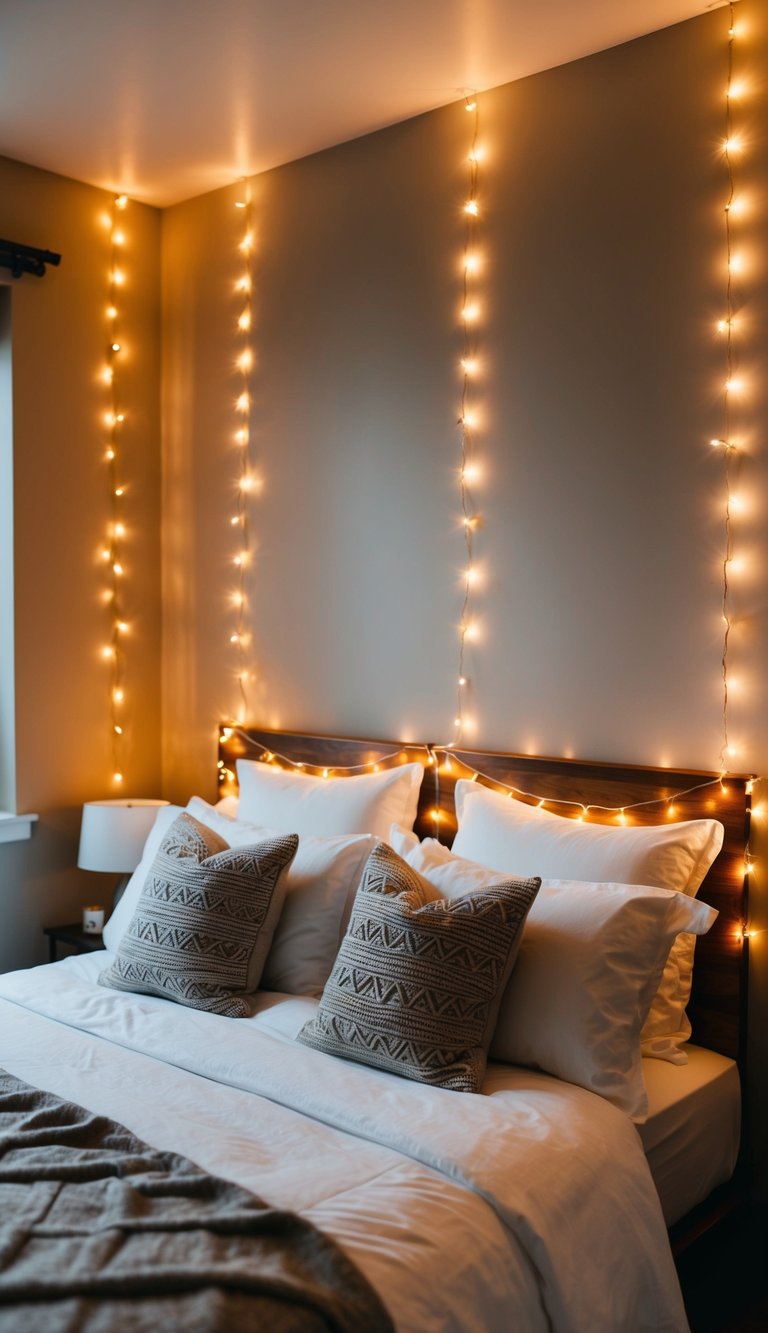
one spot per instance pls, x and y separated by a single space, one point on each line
648 796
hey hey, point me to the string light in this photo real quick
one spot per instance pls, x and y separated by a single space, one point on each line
581 810
745 932
244 363
114 419
468 418
405 754
447 761
732 386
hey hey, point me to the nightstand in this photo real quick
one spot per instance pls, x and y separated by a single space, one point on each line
74 936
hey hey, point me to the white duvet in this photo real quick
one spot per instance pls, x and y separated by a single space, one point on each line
530 1207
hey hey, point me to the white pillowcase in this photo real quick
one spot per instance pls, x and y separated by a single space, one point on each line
292 802
591 958
493 828
320 887
228 805
513 837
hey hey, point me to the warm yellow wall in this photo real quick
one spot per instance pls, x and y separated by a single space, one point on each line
62 723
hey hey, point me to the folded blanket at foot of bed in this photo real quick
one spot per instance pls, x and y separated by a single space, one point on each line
100 1232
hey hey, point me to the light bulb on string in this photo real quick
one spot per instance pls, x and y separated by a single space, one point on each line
733 388
468 418
114 420
246 483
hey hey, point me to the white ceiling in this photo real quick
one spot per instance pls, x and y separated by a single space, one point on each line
166 99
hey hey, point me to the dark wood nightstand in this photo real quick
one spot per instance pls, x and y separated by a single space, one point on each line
74 936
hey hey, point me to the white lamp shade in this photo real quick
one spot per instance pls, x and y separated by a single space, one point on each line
113 833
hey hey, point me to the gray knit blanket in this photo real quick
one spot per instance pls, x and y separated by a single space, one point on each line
100 1233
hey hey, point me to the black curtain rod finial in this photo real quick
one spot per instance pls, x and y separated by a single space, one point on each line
26 258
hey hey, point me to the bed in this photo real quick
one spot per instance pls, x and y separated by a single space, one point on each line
538 1204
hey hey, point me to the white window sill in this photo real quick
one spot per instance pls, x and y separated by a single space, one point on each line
14 828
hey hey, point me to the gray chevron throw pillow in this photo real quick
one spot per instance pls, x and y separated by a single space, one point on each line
205 919
418 979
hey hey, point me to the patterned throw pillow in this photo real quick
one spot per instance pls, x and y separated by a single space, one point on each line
418 979
204 921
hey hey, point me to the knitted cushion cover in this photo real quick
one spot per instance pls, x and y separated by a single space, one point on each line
418 979
205 919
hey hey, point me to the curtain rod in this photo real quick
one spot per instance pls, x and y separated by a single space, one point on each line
26 258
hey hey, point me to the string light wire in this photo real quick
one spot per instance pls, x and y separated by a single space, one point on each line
451 755
467 414
281 760
240 521
725 443
584 809
114 418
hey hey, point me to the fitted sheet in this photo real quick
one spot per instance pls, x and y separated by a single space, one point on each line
691 1137
530 1206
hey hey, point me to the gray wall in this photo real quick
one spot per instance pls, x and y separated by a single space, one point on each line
603 277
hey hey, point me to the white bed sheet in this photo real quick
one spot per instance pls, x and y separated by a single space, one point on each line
691 1138
530 1207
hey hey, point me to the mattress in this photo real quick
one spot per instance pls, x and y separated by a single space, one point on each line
691 1136
529 1207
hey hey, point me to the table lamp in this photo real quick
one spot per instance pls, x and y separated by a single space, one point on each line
112 837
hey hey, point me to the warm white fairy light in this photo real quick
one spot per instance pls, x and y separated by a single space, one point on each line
405 754
468 417
239 522
114 419
457 762
733 387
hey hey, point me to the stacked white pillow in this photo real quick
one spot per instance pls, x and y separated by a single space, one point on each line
591 975
296 802
513 838
591 958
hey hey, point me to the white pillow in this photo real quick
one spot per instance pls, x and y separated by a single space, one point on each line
228 805
120 919
591 958
297 802
495 829
320 887
513 837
